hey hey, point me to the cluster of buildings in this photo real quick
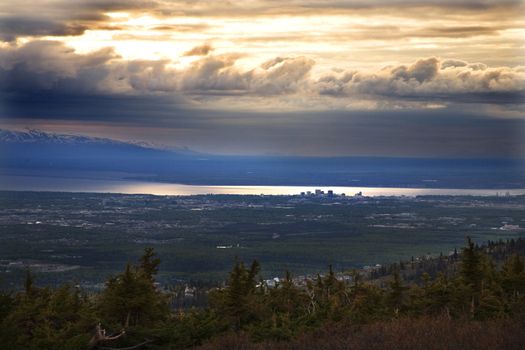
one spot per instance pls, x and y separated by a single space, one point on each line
329 193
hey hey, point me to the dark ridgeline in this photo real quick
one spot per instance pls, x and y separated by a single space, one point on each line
474 299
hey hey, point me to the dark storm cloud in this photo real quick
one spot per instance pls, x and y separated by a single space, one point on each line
61 17
50 66
41 66
431 79
219 75
12 27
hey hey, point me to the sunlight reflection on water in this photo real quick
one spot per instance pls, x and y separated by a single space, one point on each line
34 183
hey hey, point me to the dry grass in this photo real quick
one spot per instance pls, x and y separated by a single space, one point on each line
434 333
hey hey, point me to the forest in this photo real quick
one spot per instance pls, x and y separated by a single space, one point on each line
473 299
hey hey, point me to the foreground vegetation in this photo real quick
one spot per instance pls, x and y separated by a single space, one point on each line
406 333
481 305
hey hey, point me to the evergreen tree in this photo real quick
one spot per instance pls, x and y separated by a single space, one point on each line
149 263
513 277
239 302
131 297
47 319
471 276
396 297
29 282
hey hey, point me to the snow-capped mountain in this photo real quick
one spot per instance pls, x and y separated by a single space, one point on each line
42 137
32 149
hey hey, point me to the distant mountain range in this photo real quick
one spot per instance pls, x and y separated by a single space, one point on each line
41 137
33 152
37 136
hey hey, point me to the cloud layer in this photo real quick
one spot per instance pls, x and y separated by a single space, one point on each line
41 66
66 17
61 17
432 79
324 77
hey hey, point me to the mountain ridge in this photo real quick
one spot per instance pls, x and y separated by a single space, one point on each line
31 135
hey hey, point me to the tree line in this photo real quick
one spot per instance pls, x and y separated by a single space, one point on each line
132 312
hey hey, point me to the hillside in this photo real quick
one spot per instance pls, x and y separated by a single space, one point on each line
480 306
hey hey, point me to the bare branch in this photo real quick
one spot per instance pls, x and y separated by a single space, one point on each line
100 336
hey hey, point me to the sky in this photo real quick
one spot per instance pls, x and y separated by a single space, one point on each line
301 77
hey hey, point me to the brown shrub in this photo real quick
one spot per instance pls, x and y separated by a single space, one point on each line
432 333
